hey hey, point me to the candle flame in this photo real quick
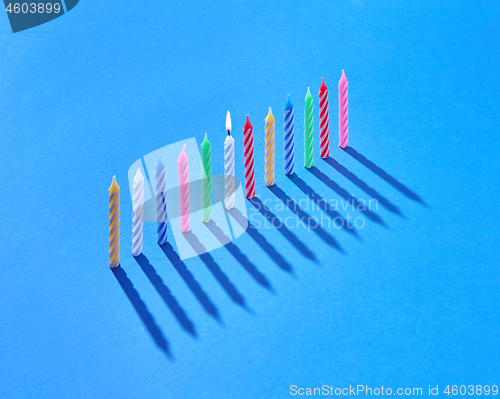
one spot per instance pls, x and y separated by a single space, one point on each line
228 122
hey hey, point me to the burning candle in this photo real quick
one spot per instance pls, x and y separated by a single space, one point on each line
114 224
249 169
308 130
229 165
161 202
289 138
183 173
324 131
343 112
206 177
269 170
137 213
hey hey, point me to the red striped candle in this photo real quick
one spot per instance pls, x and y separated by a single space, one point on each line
324 131
248 149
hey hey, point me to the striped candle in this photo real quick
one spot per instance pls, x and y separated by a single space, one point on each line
343 112
289 138
161 202
114 224
269 169
229 165
324 133
206 180
137 213
183 173
308 130
248 152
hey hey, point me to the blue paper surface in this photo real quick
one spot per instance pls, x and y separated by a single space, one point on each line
406 298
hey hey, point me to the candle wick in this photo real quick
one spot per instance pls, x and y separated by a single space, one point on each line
229 132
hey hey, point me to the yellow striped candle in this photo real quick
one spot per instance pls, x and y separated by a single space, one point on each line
269 171
114 224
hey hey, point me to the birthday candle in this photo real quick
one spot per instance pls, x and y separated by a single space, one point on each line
249 169
229 165
289 138
269 170
324 133
114 224
343 113
137 213
308 130
206 177
161 202
183 167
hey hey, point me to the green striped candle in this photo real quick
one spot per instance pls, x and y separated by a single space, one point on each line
308 130
206 185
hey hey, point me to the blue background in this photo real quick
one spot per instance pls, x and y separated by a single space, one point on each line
412 300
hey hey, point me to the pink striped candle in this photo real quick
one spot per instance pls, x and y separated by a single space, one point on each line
324 131
343 113
182 164
248 152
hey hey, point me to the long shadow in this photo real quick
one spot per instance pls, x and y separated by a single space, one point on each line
190 281
165 294
238 255
303 215
363 186
384 175
261 240
216 271
348 197
142 310
322 203
283 229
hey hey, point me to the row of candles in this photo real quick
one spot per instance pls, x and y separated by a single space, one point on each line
229 169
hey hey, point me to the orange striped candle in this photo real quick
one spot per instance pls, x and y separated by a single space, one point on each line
114 224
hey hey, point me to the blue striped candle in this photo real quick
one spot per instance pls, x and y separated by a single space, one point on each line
289 138
161 202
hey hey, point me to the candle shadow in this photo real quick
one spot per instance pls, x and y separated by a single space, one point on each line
216 271
301 214
261 240
238 255
179 313
385 176
142 310
322 203
283 229
190 281
360 207
363 186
